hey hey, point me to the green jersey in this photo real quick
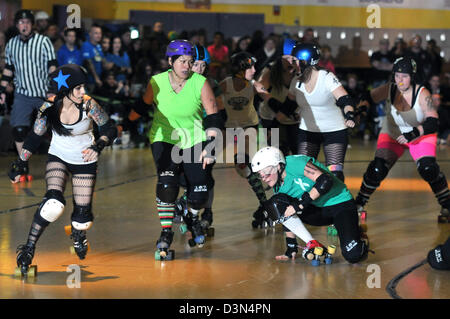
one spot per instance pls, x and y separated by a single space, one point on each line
296 183
178 116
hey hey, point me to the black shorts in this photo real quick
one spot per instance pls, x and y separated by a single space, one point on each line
318 138
75 169
198 180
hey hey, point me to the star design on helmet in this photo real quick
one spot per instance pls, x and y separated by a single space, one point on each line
61 80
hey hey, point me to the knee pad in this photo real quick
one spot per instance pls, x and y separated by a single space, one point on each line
167 193
355 251
376 172
428 169
197 196
82 217
243 169
52 206
20 133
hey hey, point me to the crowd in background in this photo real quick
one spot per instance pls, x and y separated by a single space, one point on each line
120 64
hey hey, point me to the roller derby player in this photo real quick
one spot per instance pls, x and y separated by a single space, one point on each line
73 150
439 257
411 123
238 93
180 96
308 192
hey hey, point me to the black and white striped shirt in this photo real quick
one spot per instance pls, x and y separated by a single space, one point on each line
30 61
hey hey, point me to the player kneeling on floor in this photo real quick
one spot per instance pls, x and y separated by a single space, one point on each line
306 192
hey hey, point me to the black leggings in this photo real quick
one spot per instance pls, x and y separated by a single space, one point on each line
198 180
288 136
345 218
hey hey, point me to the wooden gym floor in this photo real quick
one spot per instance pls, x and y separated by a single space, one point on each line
239 261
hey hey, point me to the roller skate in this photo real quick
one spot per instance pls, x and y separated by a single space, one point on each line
25 254
163 244
195 227
206 222
315 250
261 219
444 217
80 243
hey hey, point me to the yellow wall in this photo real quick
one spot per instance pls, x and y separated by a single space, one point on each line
307 15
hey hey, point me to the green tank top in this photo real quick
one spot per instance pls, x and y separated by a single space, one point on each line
295 183
178 116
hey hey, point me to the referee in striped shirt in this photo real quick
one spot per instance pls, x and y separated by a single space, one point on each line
30 58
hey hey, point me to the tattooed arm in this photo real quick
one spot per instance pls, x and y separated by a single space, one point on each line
106 127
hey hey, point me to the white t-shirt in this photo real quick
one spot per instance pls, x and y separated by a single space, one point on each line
68 148
318 109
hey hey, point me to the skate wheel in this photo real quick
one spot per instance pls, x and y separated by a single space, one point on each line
255 224
17 272
22 178
331 249
318 251
315 262
29 178
200 240
328 261
211 232
171 255
32 271
309 256
68 230
183 229
157 255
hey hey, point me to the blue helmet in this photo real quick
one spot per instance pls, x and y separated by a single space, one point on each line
288 45
307 52
180 47
201 54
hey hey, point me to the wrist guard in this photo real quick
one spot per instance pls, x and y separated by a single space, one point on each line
98 146
412 135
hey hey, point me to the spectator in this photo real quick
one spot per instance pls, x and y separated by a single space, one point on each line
93 57
399 49
219 55
141 78
159 34
126 38
421 57
266 55
242 44
119 57
111 88
106 44
382 62
256 43
70 53
435 56
52 32
42 21
308 36
326 59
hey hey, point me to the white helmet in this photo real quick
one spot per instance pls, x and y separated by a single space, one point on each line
267 156
41 15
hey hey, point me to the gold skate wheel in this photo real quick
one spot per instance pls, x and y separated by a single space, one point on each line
318 251
162 254
68 230
17 272
331 249
32 271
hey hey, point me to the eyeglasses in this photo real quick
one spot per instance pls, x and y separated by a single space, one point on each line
265 172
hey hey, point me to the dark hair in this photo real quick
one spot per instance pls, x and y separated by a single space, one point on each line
53 116
276 74
306 74
66 31
111 44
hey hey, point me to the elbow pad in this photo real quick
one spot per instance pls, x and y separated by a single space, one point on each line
345 100
109 130
430 125
324 183
32 142
214 120
141 107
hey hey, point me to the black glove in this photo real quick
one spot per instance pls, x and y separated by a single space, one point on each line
18 167
305 200
412 135
98 146
349 116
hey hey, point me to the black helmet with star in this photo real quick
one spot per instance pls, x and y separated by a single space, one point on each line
65 78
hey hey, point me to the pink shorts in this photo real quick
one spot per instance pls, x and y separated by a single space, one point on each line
424 146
